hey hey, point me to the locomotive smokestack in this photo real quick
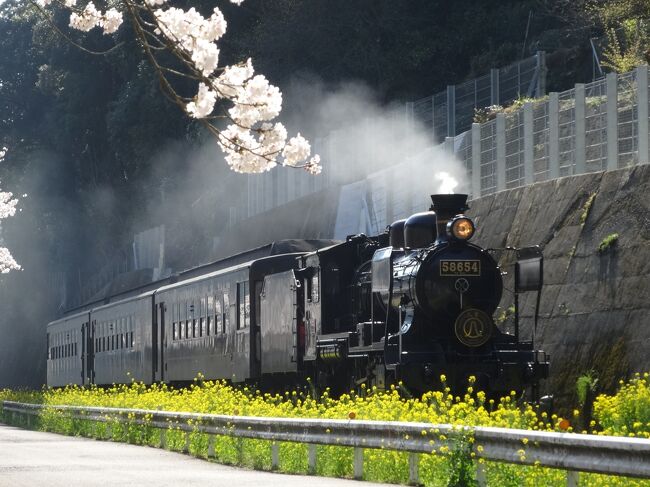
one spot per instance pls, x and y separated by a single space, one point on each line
447 206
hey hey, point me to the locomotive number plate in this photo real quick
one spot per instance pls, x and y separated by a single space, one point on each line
460 268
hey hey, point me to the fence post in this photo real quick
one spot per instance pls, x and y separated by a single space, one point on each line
476 160
642 112
451 110
529 148
163 438
501 152
572 478
275 456
409 115
494 86
358 463
449 145
553 136
433 120
580 154
186 446
414 470
481 475
311 459
541 74
612 121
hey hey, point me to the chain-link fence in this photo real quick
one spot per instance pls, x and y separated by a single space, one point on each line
451 112
598 126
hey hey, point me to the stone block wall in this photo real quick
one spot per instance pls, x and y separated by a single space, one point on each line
595 304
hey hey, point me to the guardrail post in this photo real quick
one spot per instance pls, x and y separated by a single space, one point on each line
186 446
414 470
612 121
572 478
29 421
358 463
311 459
642 112
275 456
481 474
109 431
211 446
163 438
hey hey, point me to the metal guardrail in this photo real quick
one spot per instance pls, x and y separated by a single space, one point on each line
575 453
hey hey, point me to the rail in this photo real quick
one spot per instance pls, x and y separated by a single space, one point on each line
574 453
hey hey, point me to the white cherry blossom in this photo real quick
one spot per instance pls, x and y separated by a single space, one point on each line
7 209
250 142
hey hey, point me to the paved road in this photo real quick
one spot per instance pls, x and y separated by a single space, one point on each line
32 458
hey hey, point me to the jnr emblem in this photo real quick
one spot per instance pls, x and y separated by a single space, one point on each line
473 328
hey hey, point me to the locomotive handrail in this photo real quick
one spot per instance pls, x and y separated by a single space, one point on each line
568 451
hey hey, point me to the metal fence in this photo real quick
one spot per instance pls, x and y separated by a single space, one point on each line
575 453
593 127
451 112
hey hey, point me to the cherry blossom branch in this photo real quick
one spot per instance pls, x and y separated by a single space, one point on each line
7 209
252 142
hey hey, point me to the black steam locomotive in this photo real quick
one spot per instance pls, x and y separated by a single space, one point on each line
408 305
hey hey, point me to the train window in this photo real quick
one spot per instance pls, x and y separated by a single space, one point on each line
226 312
210 314
315 287
243 302
75 349
195 326
181 330
202 318
174 331
132 340
218 315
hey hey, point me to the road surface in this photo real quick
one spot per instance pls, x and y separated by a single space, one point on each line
33 458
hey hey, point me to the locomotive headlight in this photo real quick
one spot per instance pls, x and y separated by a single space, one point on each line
460 228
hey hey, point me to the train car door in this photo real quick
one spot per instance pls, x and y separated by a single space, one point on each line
84 352
87 352
91 352
159 343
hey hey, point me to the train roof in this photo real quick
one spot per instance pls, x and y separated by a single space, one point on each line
280 247
202 277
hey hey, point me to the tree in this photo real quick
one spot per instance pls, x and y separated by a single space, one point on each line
7 209
181 45
626 24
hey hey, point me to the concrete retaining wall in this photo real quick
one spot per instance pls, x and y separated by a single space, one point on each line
595 305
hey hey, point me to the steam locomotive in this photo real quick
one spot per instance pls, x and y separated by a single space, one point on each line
407 305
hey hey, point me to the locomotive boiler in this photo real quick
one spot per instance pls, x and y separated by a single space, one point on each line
405 306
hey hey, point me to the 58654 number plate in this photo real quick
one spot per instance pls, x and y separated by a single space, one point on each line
460 267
